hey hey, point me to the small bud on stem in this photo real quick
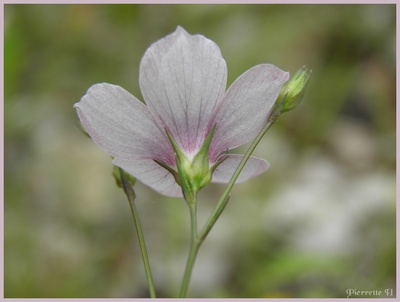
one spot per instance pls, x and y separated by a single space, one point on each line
292 92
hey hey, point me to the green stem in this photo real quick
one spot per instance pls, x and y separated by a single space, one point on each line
196 239
194 248
131 198
225 196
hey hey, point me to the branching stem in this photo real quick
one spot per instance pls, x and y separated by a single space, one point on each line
196 238
135 215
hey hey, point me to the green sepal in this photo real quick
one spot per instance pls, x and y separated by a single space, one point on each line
187 189
175 146
191 175
200 165
182 165
171 170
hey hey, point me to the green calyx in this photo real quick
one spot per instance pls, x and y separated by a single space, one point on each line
292 92
192 175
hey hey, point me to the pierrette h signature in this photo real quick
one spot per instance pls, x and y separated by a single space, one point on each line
353 292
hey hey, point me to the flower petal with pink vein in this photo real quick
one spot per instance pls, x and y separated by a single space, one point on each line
245 107
123 126
182 77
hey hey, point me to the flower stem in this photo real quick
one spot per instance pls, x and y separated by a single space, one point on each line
225 196
131 198
197 239
194 248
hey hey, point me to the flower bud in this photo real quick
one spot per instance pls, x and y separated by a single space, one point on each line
292 92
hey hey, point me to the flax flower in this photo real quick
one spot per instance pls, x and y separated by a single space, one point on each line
183 82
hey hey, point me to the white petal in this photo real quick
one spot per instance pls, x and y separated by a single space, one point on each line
182 77
245 107
225 170
121 125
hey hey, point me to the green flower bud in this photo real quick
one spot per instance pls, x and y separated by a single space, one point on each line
292 92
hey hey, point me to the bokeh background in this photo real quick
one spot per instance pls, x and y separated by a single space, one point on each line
320 221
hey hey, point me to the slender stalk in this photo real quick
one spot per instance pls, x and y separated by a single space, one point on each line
197 239
135 215
225 196
194 248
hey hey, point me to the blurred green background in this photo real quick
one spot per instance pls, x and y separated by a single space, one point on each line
321 220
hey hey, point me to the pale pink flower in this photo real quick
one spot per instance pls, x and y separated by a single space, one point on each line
183 81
